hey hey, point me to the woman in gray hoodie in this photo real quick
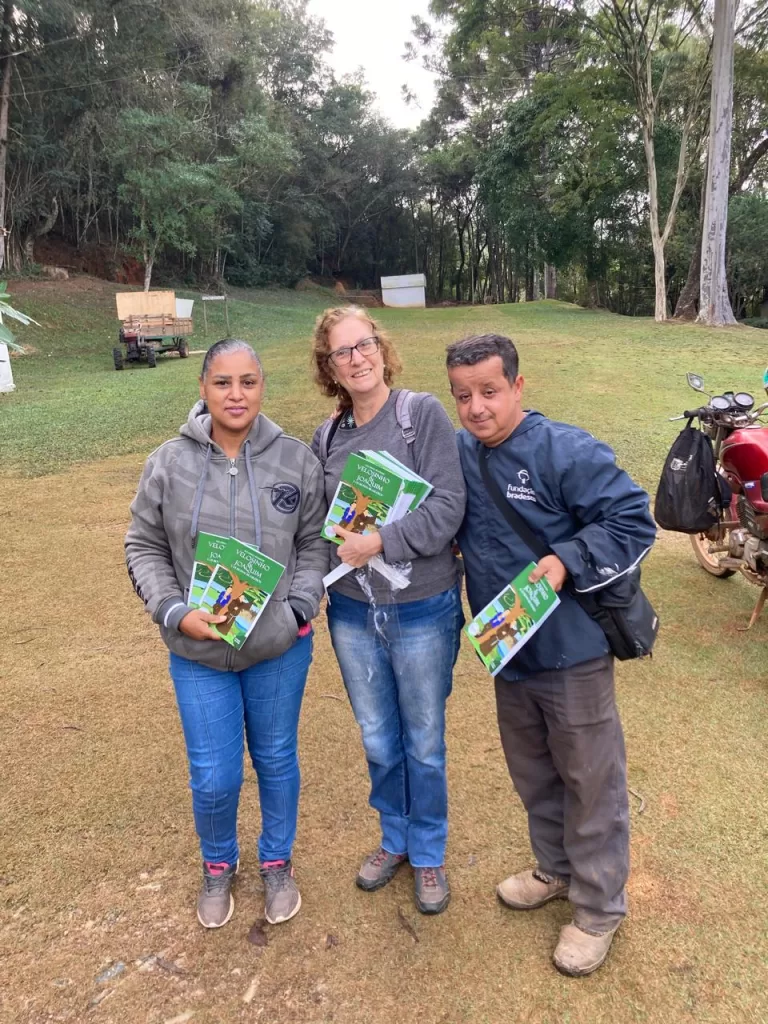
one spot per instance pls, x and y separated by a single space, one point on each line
233 472
396 650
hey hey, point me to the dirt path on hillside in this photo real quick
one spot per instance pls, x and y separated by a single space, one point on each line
100 869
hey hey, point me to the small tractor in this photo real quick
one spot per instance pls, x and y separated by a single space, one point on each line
151 323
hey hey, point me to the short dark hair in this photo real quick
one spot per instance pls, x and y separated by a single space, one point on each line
223 348
479 347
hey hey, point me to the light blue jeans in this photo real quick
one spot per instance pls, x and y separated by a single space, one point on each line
397 664
216 708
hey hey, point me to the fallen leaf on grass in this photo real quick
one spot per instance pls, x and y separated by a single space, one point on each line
330 941
407 925
257 936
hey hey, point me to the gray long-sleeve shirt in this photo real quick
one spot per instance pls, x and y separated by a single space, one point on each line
423 537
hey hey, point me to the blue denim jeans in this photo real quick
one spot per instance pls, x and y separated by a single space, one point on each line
397 664
216 708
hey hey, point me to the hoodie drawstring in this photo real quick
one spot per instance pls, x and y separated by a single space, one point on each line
254 495
199 493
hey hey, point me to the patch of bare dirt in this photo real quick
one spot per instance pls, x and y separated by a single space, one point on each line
100 866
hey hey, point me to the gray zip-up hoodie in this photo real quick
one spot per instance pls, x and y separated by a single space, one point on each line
272 496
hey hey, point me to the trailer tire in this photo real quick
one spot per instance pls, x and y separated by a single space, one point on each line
151 357
117 356
183 348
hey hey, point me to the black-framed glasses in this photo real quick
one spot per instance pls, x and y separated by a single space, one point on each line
342 356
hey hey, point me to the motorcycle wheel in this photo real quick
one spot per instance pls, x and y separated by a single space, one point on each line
700 543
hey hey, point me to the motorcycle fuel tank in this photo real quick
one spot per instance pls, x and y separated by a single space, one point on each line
744 456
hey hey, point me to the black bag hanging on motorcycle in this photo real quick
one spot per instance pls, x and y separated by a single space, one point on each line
688 498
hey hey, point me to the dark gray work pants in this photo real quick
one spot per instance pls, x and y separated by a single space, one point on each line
564 746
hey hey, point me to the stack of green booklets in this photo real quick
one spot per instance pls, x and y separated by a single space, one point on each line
510 620
233 579
374 489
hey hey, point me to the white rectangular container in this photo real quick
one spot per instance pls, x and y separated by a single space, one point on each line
404 290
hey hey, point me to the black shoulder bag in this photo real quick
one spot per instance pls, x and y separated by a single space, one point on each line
621 609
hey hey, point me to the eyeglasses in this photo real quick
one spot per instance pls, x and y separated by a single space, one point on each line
342 356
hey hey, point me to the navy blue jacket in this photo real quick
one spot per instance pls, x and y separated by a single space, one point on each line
568 488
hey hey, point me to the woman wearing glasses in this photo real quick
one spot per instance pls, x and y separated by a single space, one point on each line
396 649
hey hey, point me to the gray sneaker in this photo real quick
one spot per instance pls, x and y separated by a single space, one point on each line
378 869
433 894
282 898
215 904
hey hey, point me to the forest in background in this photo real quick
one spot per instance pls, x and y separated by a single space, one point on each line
210 141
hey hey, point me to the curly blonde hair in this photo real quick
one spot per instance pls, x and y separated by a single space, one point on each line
321 349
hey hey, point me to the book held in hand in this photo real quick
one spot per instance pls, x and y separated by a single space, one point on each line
365 497
240 588
499 631
208 551
375 489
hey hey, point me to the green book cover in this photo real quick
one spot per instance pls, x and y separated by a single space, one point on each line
415 487
365 497
208 551
510 620
240 588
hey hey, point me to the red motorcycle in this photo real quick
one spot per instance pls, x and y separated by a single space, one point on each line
740 542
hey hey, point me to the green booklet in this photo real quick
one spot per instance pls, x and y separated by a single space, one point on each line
364 499
240 588
208 552
414 490
499 631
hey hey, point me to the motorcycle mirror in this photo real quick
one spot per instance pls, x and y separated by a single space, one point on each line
697 383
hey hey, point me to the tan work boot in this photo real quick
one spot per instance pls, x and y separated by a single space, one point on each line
579 953
531 889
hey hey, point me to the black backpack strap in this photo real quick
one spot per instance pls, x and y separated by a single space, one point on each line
327 432
512 516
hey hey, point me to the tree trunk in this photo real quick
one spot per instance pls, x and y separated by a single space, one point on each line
657 241
39 231
550 281
688 302
5 97
714 304
149 262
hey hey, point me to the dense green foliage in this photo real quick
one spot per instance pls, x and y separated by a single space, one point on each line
211 140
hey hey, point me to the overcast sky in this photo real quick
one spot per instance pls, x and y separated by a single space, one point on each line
372 35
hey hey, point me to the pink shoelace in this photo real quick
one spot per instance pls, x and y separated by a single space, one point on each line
429 878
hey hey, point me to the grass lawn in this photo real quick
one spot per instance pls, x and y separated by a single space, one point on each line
99 866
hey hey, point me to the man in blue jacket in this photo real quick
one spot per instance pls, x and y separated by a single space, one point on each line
559 724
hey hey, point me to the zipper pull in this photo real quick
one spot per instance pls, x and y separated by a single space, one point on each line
233 470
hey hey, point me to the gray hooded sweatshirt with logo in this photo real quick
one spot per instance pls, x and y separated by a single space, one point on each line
272 495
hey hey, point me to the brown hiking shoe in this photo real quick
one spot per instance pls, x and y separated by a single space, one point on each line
579 953
431 889
531 889
215 904
378 869
282 899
